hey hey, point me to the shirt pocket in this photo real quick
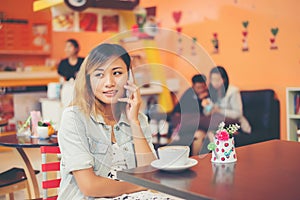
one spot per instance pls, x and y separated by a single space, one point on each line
99 151
97 147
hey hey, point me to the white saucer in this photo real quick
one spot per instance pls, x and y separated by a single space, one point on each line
159 164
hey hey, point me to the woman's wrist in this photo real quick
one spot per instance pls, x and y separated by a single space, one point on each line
134 122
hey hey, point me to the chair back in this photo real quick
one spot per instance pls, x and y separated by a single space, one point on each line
50 171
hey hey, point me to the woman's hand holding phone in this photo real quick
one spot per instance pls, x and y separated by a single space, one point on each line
133 99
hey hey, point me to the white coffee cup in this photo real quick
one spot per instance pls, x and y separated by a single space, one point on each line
42 131
174 155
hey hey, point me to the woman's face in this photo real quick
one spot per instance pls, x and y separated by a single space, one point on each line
216 80
108 80
70 50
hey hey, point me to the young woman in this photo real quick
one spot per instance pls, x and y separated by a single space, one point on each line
69 66
226 98
103 131
227 102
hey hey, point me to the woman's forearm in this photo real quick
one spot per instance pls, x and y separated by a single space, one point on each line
96 186
144 154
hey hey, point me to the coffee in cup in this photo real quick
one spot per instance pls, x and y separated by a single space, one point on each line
174 155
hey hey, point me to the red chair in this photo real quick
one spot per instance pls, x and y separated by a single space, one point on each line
50 172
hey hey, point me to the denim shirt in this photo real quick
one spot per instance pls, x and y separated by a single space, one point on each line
85 142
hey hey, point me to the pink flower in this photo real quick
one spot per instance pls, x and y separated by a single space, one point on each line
222 135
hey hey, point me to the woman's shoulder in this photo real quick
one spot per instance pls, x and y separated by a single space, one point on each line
63 62
233 89
72 110
80 59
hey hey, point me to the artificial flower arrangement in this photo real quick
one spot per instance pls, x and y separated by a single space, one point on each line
223 150
24 128
48 124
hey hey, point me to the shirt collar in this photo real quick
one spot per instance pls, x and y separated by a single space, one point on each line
99 118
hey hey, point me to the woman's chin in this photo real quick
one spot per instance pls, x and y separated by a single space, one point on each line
110 100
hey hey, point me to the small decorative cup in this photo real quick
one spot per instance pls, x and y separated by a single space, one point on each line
224 151
174 155
42 132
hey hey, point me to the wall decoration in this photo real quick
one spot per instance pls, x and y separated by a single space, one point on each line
177 16
179 41
274 32
110 23
151 26
215 42
62 18
245 46
41 36
146 26
88 21
193 47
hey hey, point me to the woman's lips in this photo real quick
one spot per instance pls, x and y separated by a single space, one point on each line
110 93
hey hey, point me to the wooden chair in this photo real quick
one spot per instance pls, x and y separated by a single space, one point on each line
13 180
50 172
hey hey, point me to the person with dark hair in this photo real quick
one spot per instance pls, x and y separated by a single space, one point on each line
69 66
187 113
225 97
221 102
227 103
103 131
191 100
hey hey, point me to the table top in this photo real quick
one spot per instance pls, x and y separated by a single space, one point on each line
266 170
26 142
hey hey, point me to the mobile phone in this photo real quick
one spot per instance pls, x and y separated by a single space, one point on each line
131 78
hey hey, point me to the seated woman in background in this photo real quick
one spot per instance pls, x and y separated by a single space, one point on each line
226 103
103 131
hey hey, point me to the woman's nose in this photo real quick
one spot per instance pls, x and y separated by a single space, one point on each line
109 81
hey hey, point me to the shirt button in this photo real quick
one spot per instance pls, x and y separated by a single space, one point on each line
117 128
125 149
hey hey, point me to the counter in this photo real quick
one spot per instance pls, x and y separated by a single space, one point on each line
35 78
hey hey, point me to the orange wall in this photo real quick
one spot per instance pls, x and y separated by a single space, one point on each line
258 68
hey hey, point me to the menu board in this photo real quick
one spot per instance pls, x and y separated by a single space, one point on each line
18 34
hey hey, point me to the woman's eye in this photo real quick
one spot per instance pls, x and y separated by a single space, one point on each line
118 73
100 75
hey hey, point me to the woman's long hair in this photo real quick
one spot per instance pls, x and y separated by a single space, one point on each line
216 94
84 97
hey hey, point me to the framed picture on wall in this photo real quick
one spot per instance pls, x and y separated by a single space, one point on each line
63 18
110 23
88 21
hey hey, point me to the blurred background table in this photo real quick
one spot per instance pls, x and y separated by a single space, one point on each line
18 143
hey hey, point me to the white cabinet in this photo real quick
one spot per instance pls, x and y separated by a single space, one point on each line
293 112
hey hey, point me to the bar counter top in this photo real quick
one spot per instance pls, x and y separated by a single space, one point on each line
27 78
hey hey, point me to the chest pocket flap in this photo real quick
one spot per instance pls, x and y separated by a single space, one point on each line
98 147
